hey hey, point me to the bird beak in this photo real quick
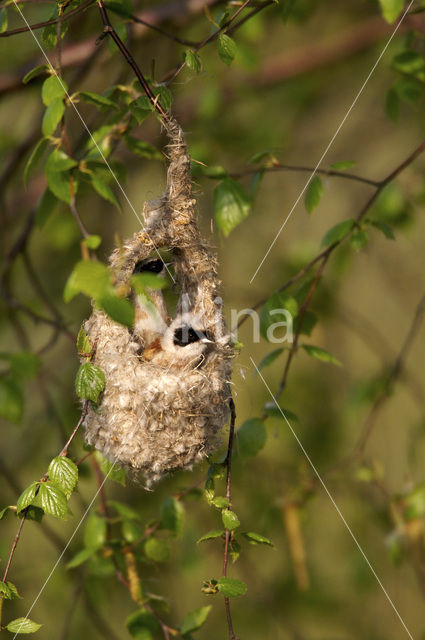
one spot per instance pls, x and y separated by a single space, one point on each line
206 341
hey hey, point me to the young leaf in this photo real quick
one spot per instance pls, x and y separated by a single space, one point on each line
38 70
359 239
391 9
226 48
230 519
313 194
338 232
110 469
83 343
49 35
90 278
119 309
156 549
11 399
231 204
97 99
172 515
9 590
93 242
58 160
36 155
220 502
95 531
342 165
64 474
211 535
231 587
256 538
132 531
251 437
142 149
142 625
57 169
320 354
5 511
409 62
52 117
165 96
27 496
80 557
269 358
89 382
103 189
53 88
192 60
23 625
52 500
386 229
274 411
124 510
3 20
279 311
195 619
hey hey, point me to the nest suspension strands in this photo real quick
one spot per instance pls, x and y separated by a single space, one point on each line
167 382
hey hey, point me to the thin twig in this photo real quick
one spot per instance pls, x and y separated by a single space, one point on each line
46 23
288 167
228 464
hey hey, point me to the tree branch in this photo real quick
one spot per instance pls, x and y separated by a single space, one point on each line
46 23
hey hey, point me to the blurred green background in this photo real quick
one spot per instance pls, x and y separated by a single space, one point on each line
288 89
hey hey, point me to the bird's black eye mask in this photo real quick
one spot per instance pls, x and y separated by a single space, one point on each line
149 265
187 335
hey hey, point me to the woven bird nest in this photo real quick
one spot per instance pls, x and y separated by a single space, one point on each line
158 416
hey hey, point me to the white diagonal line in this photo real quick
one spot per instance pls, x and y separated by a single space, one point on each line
53 70
84 514
341 124
347 526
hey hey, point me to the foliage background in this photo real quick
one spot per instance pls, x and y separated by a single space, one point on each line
280 93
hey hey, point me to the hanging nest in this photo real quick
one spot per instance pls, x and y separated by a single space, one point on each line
153 419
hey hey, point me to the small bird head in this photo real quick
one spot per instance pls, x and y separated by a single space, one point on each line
150 265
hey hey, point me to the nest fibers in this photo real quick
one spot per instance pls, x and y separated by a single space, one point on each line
153 417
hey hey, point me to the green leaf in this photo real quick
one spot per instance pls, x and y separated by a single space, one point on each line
5 511
286 7
52 500
53 88
140 108
123 8
165 97
220 502
11 399
230 519
97 99
103 189
392 105
93 242
192 60
58 160
95 531
231 205
172 515
132 531
89 382
226 48
142 149
251 437
143 281
359 239
195 619
9 591
391 9
320 354
156 549
83 343
256 538
91 278
57 169
119 309
124 510
64 474
80 557
141 623
23 625
49 36
409 62
386 229
211 535
36 155
110 469
38 70
342 165
278 312
313 194
230 587
3 20
46 207
274 411
52 117
338 232
27 496
269 358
